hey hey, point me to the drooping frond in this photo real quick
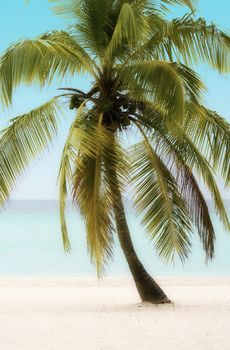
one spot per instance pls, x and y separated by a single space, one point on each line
165 216
186 40
166 145
25 138
191 192
65 176
94 197
96 208
159 82
163 86
197 207
188 185
193 154
192 84
195 40
52 55
198 164
89 146
211 133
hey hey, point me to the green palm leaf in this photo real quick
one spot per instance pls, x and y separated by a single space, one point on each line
165 143
52 55
164 212
211 133
196 40
93 21
186 40
188 3
92 198
127 29
157 81
26 137
86 149
197 162
93 193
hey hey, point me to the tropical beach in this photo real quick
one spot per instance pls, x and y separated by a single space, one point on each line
114 175
41 311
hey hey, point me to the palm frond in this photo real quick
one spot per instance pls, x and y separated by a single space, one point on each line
93 194
96 209
25 138
149 83
88 147
125 29
165 216
157 81
196 40
188 186
130 27
166 145
193 86
197 163
190 41
65 175
52 55
197 207
188 3
93 21
188 148
211 133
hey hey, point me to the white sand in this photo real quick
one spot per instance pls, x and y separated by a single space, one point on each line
79 314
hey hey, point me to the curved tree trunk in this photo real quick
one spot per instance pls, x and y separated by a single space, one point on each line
148 289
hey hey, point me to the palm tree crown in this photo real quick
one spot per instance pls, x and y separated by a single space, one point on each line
140 64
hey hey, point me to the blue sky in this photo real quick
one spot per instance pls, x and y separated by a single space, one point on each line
18 21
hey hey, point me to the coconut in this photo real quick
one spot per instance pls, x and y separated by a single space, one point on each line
107 106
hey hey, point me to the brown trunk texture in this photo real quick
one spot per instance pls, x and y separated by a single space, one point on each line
148 289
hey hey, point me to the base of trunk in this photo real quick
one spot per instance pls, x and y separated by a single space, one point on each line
158 301
148 289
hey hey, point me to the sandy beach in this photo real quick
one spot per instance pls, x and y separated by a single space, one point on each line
78 313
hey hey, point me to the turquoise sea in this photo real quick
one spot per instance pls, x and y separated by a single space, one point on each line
30 245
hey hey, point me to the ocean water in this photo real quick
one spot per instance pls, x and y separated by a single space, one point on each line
30 245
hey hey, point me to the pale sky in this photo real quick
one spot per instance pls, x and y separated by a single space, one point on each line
18 21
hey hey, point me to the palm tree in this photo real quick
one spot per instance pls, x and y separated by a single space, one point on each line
140 64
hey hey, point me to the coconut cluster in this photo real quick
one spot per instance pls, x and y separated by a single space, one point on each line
117 111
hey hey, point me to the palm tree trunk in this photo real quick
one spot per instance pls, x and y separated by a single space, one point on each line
148 289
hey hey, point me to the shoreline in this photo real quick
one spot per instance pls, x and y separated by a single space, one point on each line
78 281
